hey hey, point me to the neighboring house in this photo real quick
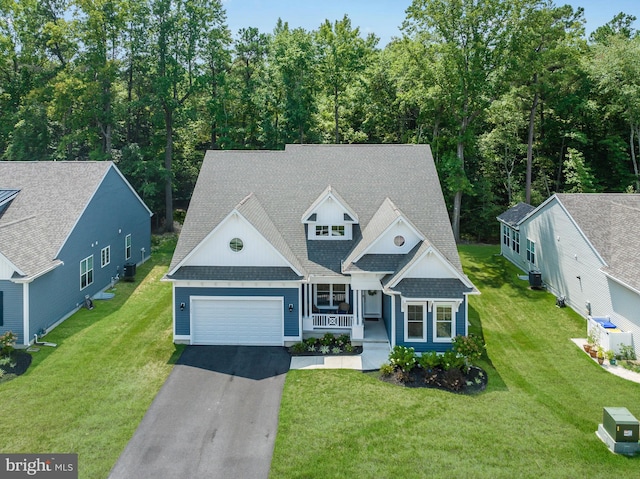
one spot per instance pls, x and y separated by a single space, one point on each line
280 244
66 231
587 249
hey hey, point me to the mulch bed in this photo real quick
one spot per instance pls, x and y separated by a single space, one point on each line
19 363
453 380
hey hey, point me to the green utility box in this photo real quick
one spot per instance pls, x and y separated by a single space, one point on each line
620 424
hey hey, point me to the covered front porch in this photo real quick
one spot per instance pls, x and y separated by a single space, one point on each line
337 307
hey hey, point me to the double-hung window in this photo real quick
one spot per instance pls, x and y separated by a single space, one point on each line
105 256
415 327
515 241
531 251
127 247
443 322
505 235
86 272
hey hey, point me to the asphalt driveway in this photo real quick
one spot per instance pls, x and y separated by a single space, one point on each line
216 416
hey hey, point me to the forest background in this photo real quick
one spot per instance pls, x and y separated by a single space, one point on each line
515 100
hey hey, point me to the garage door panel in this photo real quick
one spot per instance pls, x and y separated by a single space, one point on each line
237 321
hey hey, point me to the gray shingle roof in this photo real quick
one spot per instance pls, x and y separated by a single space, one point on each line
287 182
610 221
438 288
235 273
52 197
515 214
376 263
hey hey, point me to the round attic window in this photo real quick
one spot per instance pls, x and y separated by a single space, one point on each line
236 245
398 241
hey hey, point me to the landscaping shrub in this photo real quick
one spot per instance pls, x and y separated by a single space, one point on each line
7 343
471 347
386 369
452 360
403 358
299 348
429 361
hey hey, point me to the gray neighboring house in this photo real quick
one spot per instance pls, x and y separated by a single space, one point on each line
587 249
277 245
67 229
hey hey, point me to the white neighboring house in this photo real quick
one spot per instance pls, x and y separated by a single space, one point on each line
587 249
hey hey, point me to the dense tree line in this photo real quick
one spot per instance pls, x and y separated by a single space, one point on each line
514 100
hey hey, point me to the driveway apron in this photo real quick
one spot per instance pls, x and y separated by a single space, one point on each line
216 416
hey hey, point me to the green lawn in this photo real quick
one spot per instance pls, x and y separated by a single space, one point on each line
88 395
537 418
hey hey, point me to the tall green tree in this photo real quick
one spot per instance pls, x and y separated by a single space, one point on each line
614 66
179 30
472 42
343 54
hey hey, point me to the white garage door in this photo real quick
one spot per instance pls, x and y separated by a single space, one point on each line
237 320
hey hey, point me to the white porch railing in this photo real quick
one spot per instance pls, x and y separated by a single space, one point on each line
332 320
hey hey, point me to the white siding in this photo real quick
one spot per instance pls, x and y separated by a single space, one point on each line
215 250
330 212
386 245
6 270
625 311
430 266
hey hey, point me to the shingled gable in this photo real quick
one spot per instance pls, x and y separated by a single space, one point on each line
607 221
251 211
310 215
52 197
384 218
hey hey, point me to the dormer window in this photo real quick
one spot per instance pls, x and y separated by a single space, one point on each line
330 217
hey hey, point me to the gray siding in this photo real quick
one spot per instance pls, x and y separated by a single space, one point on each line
113 213
12 309
428 345
290 295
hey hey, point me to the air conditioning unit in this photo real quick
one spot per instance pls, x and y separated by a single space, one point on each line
535 279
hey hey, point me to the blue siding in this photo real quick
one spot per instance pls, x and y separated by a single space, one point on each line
112 214
290 295
428 345
12 309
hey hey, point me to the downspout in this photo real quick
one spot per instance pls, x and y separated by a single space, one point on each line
25 314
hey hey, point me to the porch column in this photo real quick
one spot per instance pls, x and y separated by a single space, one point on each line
357 331
356 306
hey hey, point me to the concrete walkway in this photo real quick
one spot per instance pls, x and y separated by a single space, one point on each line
617 370
375 352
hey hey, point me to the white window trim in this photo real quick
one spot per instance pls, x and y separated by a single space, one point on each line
531 253
454 309
87 272
515 241
407 339
331 293
127 247
330 236
107 250
506 236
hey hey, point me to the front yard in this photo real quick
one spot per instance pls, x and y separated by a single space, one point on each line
537 418
89 394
